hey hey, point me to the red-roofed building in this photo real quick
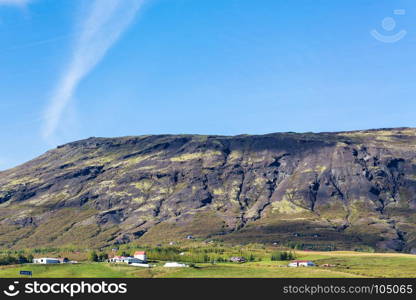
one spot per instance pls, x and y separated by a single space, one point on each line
140 255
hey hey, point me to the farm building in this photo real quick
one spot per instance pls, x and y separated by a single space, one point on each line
238 259
174 265
301 263
140 255
125 260
45 260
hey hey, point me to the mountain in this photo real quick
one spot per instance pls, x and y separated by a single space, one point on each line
349 190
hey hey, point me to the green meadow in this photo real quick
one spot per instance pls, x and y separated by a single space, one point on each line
343 265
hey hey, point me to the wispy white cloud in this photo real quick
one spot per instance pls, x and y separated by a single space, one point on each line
106 20
14 2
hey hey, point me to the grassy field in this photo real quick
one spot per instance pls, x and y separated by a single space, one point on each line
347 264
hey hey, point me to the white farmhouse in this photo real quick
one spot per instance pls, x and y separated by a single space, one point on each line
45 260
125 260
301 263
141 255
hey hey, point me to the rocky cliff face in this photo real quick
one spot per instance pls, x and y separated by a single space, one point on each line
348 190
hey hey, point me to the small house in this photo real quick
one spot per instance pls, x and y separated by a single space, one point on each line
46 260
141 255
238 259
115 259
301 263
125 260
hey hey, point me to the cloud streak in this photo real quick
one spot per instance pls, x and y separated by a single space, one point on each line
105 22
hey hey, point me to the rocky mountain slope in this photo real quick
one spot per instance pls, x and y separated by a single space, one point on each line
346 190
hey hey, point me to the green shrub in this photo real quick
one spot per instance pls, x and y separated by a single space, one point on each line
102 256
93 256
283 255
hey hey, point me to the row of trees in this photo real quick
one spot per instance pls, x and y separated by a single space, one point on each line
283 255
315 247
196 255
97 257
187 255
165 255
13 260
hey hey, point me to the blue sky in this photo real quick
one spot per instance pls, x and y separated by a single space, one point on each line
74 69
